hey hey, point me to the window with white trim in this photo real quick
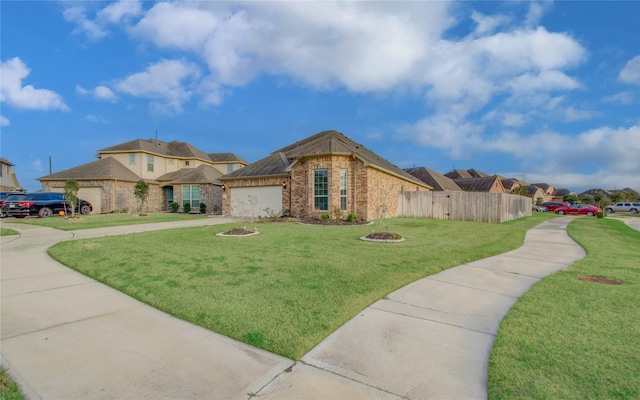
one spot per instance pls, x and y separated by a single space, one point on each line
191 196
132 159
321 189
150 163
343 189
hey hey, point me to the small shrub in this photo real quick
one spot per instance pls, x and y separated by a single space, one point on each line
600 214
174 206
325 216
203 208
352 217
337 213
186 208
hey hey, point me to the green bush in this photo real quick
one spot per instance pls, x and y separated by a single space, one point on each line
203 208
325 216
174 206
186 208
352 217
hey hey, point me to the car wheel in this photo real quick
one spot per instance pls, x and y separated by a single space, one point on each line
609 210
45 212
561 212
85 209
590 214
633 211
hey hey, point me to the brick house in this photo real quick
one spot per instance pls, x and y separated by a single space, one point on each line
8 179
326 173
175 172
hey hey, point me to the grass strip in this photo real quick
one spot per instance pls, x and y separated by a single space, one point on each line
573 339
7 232
9 390
287 288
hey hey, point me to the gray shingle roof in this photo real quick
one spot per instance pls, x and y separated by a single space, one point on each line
326 142
434 179
458 174
226 157
105 168
171 149
477 184
201 174
476 174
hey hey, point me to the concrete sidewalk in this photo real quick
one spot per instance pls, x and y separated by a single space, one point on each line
65 336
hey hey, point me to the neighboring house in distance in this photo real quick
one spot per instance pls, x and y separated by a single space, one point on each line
476 174
434 179
547 189
512 185
8 179
490 184
458 174
324 173
175 171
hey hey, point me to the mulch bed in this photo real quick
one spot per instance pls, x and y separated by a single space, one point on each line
239 232
598 279
384 236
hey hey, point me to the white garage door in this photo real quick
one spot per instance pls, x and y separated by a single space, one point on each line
264 197
91 194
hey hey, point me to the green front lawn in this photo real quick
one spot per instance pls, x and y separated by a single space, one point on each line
103 220
289 287
571 339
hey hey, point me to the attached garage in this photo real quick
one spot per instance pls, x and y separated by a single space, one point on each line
91 194
264 197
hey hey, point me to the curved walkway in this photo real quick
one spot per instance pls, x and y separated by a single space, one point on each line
65 336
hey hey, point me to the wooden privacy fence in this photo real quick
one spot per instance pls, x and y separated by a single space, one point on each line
464 206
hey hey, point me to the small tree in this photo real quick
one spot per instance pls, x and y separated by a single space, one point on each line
141 192
570 198
71 188
586 199
617 197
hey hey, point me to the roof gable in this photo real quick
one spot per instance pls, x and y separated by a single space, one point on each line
483 184
171 149
434 179
458 174
201 174
104 168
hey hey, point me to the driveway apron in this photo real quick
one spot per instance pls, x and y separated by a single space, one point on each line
65 336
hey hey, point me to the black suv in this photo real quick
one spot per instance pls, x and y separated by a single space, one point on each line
3 197
42 204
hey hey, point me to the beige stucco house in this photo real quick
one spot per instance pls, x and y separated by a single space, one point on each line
8 179
175 172
326 173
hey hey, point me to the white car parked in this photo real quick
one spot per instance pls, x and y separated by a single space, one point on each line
632 207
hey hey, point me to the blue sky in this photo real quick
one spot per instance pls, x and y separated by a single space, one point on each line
542 91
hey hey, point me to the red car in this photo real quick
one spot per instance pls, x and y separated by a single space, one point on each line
579 209
552 205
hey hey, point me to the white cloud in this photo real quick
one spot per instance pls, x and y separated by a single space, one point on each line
84 25
631 71
572 114
98 93
120 10
97 118
162 82
14 93
488 23
536 10
4 121
620 98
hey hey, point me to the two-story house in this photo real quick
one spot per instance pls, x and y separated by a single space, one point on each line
175 172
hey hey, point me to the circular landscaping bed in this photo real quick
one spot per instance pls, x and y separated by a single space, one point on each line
238 232
383 237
